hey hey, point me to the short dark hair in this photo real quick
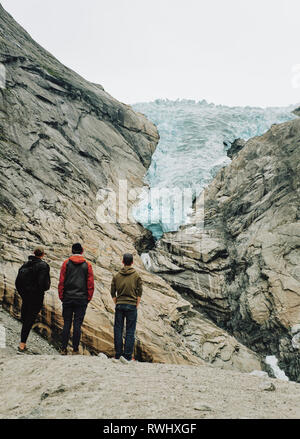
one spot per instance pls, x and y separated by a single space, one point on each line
127 258
77 248
39 251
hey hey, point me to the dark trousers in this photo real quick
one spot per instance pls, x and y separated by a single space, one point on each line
31 306
124 313
72 312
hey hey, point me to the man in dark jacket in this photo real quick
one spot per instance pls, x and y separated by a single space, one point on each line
31 283
126 292
75 289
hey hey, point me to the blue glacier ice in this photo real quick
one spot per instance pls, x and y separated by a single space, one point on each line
191 151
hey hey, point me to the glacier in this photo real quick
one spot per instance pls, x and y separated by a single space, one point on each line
194 138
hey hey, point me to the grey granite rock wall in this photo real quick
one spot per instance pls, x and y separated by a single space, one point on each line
242 267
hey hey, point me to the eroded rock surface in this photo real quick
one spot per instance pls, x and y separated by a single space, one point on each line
235 147
297 111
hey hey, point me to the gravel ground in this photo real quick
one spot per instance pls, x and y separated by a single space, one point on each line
36 343
47 385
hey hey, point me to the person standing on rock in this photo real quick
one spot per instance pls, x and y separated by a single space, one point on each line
75 289
32 281
126 292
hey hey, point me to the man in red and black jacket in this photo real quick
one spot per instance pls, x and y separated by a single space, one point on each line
75 290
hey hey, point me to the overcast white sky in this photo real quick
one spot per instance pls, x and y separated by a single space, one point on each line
234 52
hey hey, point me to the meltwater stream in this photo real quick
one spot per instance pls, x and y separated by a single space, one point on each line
272 361
191 151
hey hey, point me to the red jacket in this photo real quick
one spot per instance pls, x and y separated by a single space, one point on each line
71 286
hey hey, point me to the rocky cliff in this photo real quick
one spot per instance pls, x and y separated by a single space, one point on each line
238 259
64 139
297 111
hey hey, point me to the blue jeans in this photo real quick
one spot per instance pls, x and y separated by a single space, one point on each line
129 313
72 313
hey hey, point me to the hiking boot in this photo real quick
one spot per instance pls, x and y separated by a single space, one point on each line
63 352
124 361
75 353
22 351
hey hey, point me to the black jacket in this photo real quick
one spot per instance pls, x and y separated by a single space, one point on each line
40 276
76 281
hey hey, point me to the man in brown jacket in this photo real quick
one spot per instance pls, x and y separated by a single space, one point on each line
126 291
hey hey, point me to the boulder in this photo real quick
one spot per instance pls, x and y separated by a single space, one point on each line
235 147
267 386
296 111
